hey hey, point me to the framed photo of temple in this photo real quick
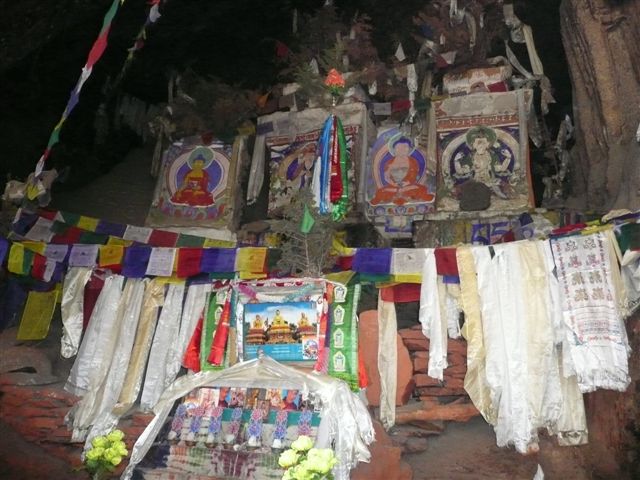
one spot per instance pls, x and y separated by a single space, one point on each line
196 185
284 331
483 152
401 182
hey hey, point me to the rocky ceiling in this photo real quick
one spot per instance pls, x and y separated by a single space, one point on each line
44 43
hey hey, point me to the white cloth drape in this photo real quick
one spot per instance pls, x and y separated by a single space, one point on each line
72 308
166 333
592 300
91 364
387 361
432 317
521 366
103 393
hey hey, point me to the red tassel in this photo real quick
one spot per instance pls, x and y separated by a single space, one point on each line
336 171
216 357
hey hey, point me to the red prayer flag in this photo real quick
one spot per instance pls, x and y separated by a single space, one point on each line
162 238
189 262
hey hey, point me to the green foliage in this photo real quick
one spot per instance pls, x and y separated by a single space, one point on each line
305 254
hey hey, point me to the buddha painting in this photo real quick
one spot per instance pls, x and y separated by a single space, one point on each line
399 173
195 188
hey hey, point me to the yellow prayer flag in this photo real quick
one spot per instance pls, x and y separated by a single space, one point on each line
251 275
339 246
110 255
406 278
58 288
37 315
341 277
214 243
16 259
87 223
118 241
251 259
37 247
169 280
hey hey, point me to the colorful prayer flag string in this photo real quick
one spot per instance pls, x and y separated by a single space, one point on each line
95 53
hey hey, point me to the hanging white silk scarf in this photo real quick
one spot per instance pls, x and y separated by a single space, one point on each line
596 336
166 333
387 361
197 296
99 341
521 367
102 396
432 317
72 307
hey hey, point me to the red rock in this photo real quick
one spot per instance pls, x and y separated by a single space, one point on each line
423 380
414 339
457 412
43 423
368 337
457 346
440 392
141 419
421 363
405 383
454 358
386 463
456 370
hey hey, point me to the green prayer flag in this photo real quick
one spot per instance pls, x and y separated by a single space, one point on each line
307 221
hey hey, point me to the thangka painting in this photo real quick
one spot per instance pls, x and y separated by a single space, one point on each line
291 165
196 186
401 182
483 152
284 331
291 141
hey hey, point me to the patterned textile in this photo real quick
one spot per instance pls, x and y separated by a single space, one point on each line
596 335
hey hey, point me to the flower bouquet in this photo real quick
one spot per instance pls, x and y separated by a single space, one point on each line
105 455
303 462
335 83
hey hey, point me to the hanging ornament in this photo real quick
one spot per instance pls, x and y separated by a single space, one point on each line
330 181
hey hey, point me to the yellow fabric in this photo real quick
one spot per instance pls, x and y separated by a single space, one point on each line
37 247
619 290
407 278
340 277
118 241
475 381
110 255
87 223
339 245
212 243
37 315
169 280
251 275
251 259
153 300
16 259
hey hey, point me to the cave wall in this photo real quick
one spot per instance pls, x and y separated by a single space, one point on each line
602 43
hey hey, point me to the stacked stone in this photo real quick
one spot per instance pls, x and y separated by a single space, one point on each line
441 400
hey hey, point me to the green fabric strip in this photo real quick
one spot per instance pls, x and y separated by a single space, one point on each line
343 344
185 240
94 238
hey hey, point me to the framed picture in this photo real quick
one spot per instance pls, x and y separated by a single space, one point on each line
284 331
